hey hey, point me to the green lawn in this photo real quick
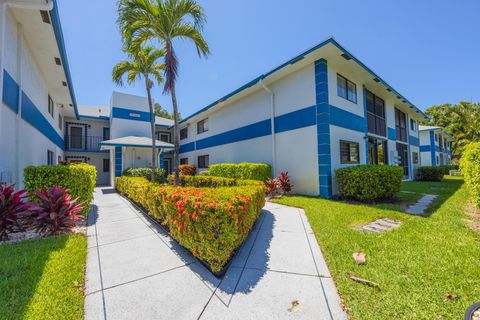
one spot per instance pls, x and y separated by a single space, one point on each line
415 265
43 279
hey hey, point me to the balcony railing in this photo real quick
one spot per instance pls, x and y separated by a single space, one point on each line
82 143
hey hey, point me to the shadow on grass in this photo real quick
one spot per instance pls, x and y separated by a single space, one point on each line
21 269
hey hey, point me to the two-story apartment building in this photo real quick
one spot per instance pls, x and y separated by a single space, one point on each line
35 87
320 111
435 146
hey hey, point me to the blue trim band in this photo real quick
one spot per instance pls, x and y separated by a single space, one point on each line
129 114
11 91
347 120
295 120
187 147
33 116
392 134
365 115
323 129
118 161
87 151
57 29
95 118
131 145
424 148
432 148
414 141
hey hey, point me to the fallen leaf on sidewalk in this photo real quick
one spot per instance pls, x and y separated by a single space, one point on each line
359 257
295 303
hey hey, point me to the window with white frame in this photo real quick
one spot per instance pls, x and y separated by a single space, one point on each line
202 126
413 125
415 157
51 106
203 161
346 89
183 133
349 152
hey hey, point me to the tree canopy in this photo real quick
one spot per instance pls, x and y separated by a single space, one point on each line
461 120
162 112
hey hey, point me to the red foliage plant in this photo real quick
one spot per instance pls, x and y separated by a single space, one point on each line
12 208
56 211
187 169
284 181
272 187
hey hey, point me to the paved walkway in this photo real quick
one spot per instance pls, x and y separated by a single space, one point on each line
135 271
421 205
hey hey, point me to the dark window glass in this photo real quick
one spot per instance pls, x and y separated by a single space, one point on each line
183 133
415 157
377 151
184 161
60 121
401 125
50 158
164 137
50 106
346 89
203 161
402 151
375 114
106 133
413 125
349 152
106 165
202 126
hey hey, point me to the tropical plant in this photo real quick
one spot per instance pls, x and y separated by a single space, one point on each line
12 208
142 64
187 169
284 182
165 21
56 212
272 187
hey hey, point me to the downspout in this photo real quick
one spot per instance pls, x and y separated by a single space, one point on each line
272 124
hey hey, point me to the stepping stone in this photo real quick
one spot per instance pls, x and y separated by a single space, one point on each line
381 225
421 205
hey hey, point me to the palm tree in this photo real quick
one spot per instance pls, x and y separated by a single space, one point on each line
164 21
142 64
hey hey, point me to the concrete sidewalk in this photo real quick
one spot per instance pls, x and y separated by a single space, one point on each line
136 271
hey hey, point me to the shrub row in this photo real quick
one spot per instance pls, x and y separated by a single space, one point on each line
470 168
243 171
78 178
187 169
447 167
210 222
211 181
430 174
145 173
369 182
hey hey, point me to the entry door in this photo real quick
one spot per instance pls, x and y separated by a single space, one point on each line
76 137
166 166
402 151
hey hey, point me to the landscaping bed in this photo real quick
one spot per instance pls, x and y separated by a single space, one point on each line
427 268
211 222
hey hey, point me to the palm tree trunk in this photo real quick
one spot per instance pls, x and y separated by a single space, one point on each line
176 136
152 127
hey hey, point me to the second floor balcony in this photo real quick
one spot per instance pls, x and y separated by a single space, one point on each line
82 143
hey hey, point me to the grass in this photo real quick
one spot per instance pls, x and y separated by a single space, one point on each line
416 265
43 279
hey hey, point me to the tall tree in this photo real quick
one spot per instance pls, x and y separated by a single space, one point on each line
162 112
142 64
461 120
165 21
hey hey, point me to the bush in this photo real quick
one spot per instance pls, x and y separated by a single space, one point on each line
12 209
447 167
470 168
429 174
210 222
211 182
243 171
145 173
187 169
78 178
56 212
369 182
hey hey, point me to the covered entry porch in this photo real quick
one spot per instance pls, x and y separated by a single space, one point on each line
134 152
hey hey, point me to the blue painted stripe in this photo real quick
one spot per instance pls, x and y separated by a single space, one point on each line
187 147
424 148
95 117
392 134
33 116
345 119
414 141
325 113
432 148
57 29
295 120
118 161
365 131
255 130
129 114
11 91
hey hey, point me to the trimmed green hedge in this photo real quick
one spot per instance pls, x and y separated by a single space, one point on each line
369 182
145 173
212 182
470 168
210 222
447 167
243 171
78 178
429 174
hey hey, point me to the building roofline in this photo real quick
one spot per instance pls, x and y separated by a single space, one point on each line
300 56
57 29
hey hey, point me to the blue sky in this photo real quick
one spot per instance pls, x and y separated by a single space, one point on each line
427 50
